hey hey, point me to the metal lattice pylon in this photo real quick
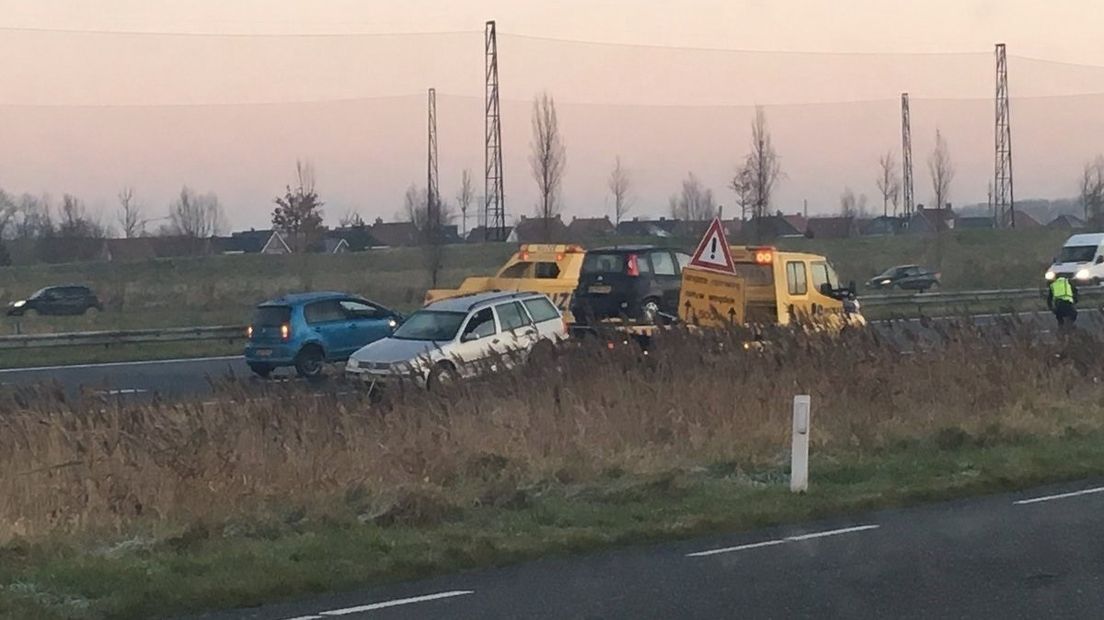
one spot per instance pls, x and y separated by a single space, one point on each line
906 156
494 207
1003 201
433 195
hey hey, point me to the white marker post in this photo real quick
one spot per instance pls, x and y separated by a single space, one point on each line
799 452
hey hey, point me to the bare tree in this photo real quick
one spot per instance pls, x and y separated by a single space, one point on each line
298 213
742 184
889 182
763 169
695 201
196 215
431 223
351 219
464 199
32 218
547 158
620 186
129 214
9 213
1092 191
852 205
74 221
942 171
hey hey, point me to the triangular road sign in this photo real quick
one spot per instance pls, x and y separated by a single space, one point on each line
712 252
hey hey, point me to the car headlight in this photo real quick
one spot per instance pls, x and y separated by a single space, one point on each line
1082 274
352 364
1049 275
19 304
886 281
392 323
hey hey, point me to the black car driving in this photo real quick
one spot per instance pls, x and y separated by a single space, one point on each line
639 283
905 277
71 299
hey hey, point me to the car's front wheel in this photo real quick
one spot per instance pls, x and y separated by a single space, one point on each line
442 375
310 362
261 370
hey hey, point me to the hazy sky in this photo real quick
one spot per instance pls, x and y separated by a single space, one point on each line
87 112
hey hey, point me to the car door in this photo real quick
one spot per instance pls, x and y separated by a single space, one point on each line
797 290
478 339
329 322
367 322
518 332
668 282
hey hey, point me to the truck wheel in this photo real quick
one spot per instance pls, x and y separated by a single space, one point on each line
649 310
309 363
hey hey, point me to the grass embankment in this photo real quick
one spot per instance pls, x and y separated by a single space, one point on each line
146 510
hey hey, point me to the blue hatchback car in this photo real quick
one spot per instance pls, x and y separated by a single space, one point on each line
306 330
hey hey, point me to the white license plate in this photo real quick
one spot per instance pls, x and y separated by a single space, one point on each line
263 352
600 288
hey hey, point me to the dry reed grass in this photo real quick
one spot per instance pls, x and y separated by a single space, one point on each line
698 399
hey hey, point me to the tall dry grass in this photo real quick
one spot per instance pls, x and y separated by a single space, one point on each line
696 399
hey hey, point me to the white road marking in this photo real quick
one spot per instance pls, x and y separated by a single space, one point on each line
124 391
305 618
782 541
395 603
1047 498
182 360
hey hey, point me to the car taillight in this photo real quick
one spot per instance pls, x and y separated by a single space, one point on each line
633 268
249 332
285 331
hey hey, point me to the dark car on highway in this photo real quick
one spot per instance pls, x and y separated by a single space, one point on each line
638 283
71 299
905 277
307 330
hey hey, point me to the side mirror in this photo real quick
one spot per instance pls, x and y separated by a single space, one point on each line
1100 259
851 287
468 337
825 289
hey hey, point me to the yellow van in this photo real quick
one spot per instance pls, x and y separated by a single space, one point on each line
552 269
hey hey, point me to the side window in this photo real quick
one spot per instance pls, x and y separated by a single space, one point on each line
354 309
541 309
547 271
480 325
511 316
517 270
795 278
663 264
643 265
820 275
324 312
683 260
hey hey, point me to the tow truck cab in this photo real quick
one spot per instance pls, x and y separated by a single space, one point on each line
770 286
552 269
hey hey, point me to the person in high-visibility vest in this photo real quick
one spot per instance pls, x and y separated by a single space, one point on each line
1062 300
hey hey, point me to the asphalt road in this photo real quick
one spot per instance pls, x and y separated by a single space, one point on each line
1035 554
192 377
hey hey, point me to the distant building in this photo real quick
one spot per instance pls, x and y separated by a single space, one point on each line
1067 222
882 225
976 222
479 234
637 227
932 220
842 227
395 234
589 228
539 230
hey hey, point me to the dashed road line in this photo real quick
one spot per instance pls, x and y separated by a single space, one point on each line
782 541
1047 498
383 605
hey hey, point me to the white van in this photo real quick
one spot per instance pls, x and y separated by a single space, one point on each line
1081 259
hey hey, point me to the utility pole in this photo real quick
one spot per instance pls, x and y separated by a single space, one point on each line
1002 169
906 151
433 197
494 206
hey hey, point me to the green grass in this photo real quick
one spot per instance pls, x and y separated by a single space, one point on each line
301 551
63 356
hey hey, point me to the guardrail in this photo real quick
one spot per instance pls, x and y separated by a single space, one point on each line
135 336
232 333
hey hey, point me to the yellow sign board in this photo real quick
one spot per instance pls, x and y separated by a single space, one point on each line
710 298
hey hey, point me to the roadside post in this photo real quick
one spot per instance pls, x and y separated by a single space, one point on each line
799 451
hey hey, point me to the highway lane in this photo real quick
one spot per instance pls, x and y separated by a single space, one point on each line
192 377
1032 554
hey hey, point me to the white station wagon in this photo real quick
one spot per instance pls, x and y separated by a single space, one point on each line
460 337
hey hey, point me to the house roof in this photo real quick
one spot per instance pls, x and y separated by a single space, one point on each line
646 228
975 222
395 233
1066 221
584 227
934 220
798 222
772 226
831 227
537 229
479 233
1024 220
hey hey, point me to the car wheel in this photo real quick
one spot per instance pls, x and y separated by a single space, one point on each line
649 310
442 375
309 363
261 370
543 352
91 311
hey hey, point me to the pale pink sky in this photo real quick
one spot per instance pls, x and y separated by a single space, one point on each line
89 112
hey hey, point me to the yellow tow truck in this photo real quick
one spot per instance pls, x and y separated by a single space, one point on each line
552 269
768 287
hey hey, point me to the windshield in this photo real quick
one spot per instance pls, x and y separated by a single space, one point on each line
1077 254
823 273
39 293
271 316
597 262
756 275
430 325
891 272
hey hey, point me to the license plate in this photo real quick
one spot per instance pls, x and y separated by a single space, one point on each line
263 352
600 288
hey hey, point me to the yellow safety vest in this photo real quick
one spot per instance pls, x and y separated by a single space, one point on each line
1061 290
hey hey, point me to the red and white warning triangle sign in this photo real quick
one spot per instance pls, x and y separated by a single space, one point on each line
712 252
